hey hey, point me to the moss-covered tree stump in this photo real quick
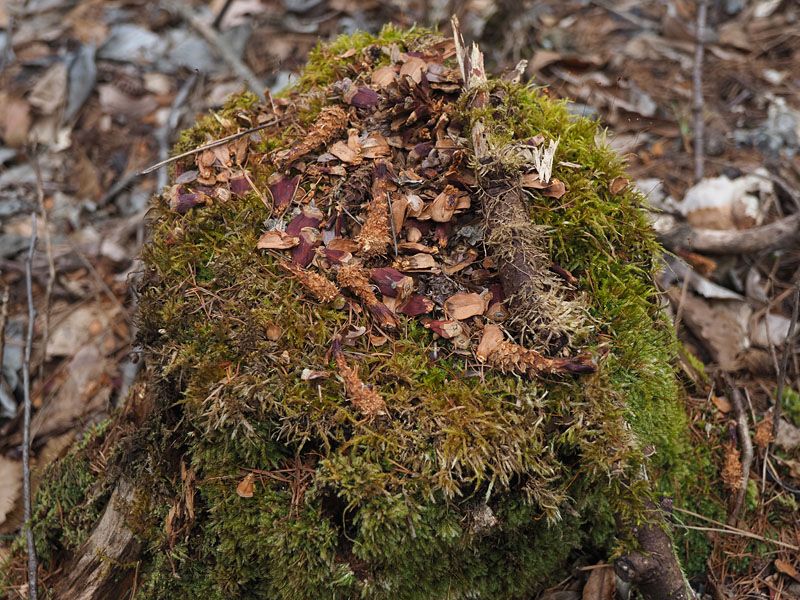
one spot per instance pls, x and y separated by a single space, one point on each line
366 376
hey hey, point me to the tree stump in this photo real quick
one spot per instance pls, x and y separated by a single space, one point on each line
341 399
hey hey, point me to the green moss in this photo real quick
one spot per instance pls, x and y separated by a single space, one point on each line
66 506
791 405
394 508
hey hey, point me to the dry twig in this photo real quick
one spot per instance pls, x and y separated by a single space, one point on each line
697 89
747 448
33 565
3 323
730 529
785 361
208 33
208 146
51 273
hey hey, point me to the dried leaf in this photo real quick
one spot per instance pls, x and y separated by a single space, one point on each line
413 68
344 153
246 486
342 245
240 186
10 487
414 247
497 312
556 189
602 584
722 403
392 282
383 76
416 305
787 569
415 206
464 306
399 206
618 185
491 338
183 203
309 375
277 240
362 98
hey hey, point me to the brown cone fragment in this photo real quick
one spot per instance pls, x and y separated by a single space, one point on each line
330 124
376 233
320 287
363 396
508 357
355 279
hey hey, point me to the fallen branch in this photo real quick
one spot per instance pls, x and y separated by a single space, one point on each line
730 529
171 123
538 301
783 233
33 563
3 323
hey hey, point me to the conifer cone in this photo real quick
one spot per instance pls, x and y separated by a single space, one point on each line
320 287
509 357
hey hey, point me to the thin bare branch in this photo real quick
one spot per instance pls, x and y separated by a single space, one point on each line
785 359
224 49
51 273
33 563
697 90
731 529
3 323
747 448
208 146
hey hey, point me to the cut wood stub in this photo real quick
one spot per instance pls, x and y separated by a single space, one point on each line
654 570
99 567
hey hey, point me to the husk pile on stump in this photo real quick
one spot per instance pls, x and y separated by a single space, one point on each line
367 376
